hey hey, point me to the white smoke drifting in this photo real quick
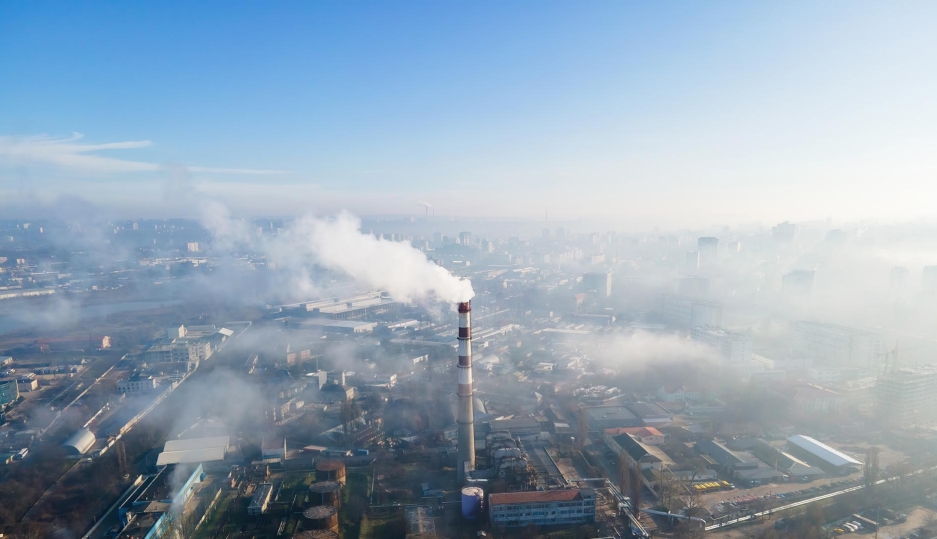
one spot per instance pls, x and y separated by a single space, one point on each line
337 244
643 349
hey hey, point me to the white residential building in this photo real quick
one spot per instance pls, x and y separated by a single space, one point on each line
137 385
733 347
690 312
831 344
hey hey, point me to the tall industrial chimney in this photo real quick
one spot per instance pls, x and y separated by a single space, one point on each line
466 405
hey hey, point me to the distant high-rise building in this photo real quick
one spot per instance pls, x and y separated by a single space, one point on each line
899 279
836 237
930 279
735 348
136 226
784 232
487 246
560 233
840 346
192 246
465 238
708 248
907 395
693 286
798 282
600 282
437 237
687 312
547 234
692 260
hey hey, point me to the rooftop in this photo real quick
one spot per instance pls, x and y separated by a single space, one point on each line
541 496
822 451
599 413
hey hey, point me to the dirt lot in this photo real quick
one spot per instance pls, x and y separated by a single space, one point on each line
916 519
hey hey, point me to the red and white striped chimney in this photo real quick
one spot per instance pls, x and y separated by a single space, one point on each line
466 417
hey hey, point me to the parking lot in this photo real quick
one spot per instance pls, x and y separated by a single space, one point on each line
740 501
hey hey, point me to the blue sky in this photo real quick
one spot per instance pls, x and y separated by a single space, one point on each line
671 112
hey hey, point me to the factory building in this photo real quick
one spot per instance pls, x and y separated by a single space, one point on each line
645 456
542 508
610 417
345 308
260 500
734 348
645 435
824 456
328 325
193 450
145 512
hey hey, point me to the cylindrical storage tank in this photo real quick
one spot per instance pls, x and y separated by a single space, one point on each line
322 517
330 470
326 493
472 498
316 534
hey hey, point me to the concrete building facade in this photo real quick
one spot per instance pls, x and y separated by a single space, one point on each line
733 347
542 508
835 345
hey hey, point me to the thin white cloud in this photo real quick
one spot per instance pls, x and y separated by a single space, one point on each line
256 172
66 152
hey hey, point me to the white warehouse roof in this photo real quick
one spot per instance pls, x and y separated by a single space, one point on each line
207 454
196 443
822 451
81 441
193 450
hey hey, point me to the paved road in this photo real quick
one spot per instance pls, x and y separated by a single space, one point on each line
802 503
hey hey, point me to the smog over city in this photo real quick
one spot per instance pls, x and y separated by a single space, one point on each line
438 271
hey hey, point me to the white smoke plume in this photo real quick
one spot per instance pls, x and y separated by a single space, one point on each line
642 349
338 244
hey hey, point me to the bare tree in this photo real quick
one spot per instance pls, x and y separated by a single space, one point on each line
182 523
871 473
583 428
635 488
623 472
121 457
870 469
667 488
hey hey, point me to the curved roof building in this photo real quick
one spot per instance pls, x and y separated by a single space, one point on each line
79 443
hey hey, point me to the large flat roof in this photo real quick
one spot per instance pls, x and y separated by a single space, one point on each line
196 443
600 413
207 454
535 496
822 451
